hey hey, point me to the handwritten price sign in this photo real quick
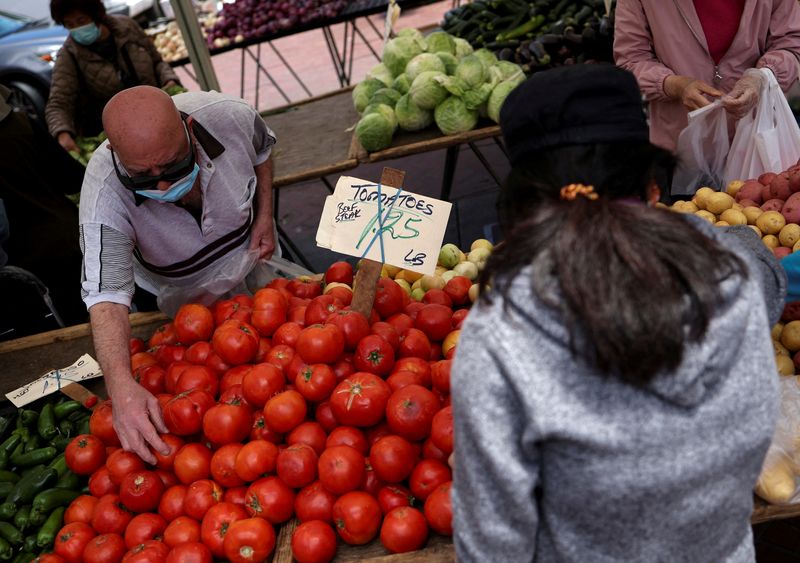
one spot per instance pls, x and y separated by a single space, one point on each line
85 368
384 224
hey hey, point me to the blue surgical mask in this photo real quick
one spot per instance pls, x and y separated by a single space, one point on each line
86 34
176 191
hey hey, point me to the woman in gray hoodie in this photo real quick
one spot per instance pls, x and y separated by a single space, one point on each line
614 392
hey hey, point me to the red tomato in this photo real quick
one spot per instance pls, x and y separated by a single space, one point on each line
287 334
281 356
401 322
415 344
430 451
313 542
458 318
151 378
101 425
223 466
81 510
104 549
304 288
183 414
198 353
236 342
342 293
353 325
193 552
100 483
427 476
120 463
165 334
249 540
140 491
393 496
343 367
144 527
151 551
341 469
442 430
440 375
320 308
238 308
438 297
260 431
110 516
393 458
71 540
171 505
255 459
174 371
314 502
269 311
400 379
434 321
264 346
377 432
339 272
135 345
310 433
439 510
357 517
294 367
182 530
374 355
285 411
197 377
262 382
297 465
371 483
404 529
271 499
234 376
457 289
388 298
388 333
226 423
410 412
315 382
297 315
320 344
234 395
348 436
167 477
413 308
235 495
360 400
85 454
192 463
193 323
324 415
167 354
217 522
200 496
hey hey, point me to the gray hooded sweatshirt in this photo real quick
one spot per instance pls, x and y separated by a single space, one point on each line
555 462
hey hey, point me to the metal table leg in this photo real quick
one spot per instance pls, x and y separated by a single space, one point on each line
261 69
450 163
289 68
485 163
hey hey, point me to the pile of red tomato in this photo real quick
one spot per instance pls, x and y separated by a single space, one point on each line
287 404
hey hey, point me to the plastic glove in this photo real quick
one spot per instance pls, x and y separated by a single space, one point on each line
745 93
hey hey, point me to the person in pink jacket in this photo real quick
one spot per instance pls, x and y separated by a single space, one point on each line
685 53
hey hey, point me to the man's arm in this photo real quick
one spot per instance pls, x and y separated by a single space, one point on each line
262 235
137 414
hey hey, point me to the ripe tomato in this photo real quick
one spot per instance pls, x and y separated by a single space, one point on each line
388 333
238 308
341 469
315 382
320 308
85 454
440 375
427 476
217 522
297 465
294 367
140 491
165 334
360 400
80 510
197 377
297 314
144 527
377 432
200 496
151 551
234 376
458 318
400 379
71 540
167 477
438 297
193 552
442 430
374 355
110 516
285 411
174 371
457 289
261 382
104 548
393 496
281 356
371 483
314 502
249 540
234 395
264 346
430 451
343 367
135 345
167 354
410 412
269 311
287 334
198 353
171 504
324 415
236 342
120 463
226 423
348 436
339 272
434 321
310 433
404 529
320 344
101 425
182 530
357 517
439 510
183 414
388 298
193 323
343 293
255 459
192 463
353 325
260 431
393 458
223 465
415 344
305 288
313 542
271 499
151 378
413 308
401 322
235 495
100 483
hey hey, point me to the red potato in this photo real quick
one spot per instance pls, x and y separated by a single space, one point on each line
766 194
791 209
766 178
779 187
794 181
751 190
772 205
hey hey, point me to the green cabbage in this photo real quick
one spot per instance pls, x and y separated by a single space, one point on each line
452 116
475 98
453 85
450 62
471 71
426 91
423 62
382 73
441 41
463 48
398 53
402 84
498 97
374 132
410 116
384 110
364 91
487 58
414 34
385 96
505 70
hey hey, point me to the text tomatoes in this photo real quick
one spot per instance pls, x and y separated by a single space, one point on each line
360 400
357 517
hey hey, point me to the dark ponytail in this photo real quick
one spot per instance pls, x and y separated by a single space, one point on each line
633 283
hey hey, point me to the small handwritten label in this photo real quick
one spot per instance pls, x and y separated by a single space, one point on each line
346 212
85 368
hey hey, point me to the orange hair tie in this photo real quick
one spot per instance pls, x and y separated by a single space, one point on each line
569 193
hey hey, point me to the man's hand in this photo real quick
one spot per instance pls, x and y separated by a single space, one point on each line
138 421
744 95
67 142
262 237
692 93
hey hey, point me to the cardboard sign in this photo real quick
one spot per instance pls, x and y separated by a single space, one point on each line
388 225
85 368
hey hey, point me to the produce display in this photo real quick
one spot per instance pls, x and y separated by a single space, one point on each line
286 404
537 34
169 40
86 147
424 80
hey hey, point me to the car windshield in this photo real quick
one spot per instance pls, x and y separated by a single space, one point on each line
10 24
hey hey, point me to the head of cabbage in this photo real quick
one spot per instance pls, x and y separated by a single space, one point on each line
507 71
414 34
399 51
386 96
441 41
374 131
411 117
487 57
471 71
422 63
382 73
498 97
452 116
384 110
402 84
463 48
426 90
364 91
476 97
450 62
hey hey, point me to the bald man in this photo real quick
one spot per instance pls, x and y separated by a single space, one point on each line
179 201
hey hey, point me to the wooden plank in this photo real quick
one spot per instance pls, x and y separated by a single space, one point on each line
283 544
439 549
81 394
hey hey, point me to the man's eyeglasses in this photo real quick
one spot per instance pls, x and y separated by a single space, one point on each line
174 172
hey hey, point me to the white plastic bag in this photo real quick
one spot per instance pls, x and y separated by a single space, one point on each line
779 482
702 150
767 140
